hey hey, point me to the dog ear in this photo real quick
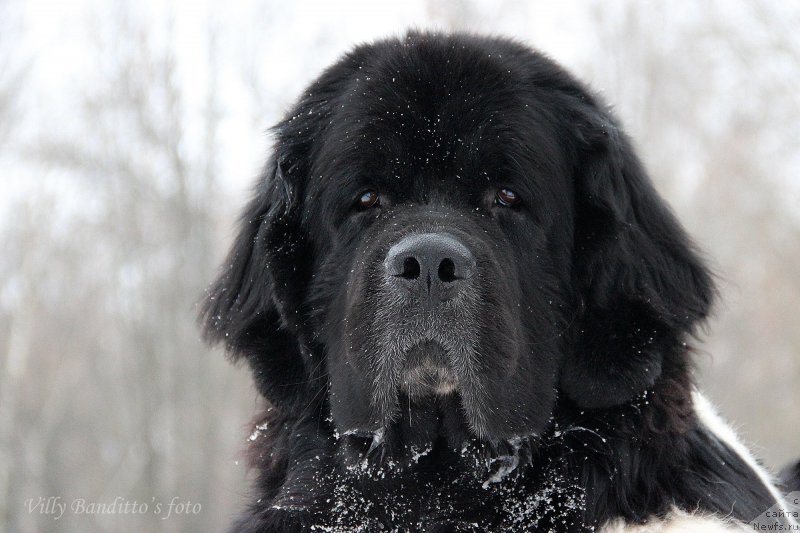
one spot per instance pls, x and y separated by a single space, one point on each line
643 287
255 305
250 307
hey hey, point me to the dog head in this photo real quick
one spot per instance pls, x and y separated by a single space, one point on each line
454 218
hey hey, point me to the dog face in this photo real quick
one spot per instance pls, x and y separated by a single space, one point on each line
454 223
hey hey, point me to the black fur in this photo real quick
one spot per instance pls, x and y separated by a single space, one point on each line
790 478
573 404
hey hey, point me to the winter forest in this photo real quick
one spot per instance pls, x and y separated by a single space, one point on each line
130 133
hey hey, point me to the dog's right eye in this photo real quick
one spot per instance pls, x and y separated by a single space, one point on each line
369 199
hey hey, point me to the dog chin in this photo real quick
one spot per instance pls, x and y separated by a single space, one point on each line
427 372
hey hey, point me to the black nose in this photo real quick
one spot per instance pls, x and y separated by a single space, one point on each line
430 265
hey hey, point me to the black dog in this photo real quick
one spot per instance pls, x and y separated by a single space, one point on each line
468 310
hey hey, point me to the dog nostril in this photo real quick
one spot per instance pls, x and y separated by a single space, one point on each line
411 268
434 261
447 270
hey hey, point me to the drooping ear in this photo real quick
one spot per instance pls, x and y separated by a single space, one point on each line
255 305
251 305
643 286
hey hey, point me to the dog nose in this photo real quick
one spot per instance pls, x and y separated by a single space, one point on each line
430 265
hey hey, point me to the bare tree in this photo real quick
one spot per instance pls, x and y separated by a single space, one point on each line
15 338
115 308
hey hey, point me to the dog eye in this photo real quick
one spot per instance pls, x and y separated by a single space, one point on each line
507 198
369 199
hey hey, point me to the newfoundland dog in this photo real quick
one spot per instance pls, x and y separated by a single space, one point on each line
467 309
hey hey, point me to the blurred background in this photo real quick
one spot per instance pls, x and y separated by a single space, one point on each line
130 133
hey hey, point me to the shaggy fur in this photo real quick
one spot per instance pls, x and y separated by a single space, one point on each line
540 381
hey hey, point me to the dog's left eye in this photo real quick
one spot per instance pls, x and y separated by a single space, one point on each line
369 199
507 198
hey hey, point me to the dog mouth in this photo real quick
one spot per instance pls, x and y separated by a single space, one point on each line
427 371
